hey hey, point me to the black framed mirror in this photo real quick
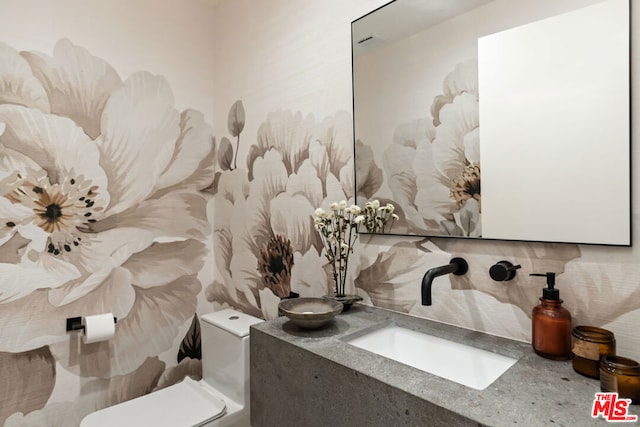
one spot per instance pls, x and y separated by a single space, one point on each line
503 119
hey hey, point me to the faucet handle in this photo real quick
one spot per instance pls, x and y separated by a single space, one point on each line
503 271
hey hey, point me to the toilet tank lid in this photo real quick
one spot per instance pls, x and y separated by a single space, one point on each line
232 321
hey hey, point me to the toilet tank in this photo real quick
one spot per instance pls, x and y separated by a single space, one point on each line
225 352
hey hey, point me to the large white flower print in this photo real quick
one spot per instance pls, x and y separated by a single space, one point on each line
263 225
100 209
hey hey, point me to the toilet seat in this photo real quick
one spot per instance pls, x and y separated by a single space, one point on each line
186 404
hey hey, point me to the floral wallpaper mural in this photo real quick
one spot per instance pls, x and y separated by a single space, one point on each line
100 202
264 237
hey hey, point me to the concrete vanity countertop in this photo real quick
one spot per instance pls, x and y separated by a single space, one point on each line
290 365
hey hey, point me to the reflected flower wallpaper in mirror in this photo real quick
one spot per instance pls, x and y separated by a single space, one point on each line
432 166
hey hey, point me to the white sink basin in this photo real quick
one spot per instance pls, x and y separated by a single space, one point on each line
457 362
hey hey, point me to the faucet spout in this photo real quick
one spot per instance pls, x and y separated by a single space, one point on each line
457 266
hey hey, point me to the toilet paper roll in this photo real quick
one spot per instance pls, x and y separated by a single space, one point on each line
98 328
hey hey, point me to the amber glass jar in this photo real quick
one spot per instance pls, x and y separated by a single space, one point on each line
620 375
590 344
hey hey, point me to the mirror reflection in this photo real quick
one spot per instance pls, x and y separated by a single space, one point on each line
479 118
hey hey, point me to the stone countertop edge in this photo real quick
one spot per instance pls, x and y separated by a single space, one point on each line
534 391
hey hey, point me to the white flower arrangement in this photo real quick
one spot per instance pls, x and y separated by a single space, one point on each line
339 227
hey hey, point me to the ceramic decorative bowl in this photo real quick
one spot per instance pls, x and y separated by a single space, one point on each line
310 313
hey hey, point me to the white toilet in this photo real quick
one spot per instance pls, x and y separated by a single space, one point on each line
220 399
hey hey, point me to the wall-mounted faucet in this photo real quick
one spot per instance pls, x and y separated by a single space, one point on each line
457 266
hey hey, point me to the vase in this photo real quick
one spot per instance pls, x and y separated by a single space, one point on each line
346 300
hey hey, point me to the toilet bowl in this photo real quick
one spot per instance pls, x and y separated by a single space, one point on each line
220 399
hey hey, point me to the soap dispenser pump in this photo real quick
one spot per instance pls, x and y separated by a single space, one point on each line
551 323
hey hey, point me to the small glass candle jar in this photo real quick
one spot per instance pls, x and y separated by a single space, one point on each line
620 375
590 344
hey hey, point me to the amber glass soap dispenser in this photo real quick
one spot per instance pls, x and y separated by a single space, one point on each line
551 323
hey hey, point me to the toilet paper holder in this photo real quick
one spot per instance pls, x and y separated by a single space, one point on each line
75 323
